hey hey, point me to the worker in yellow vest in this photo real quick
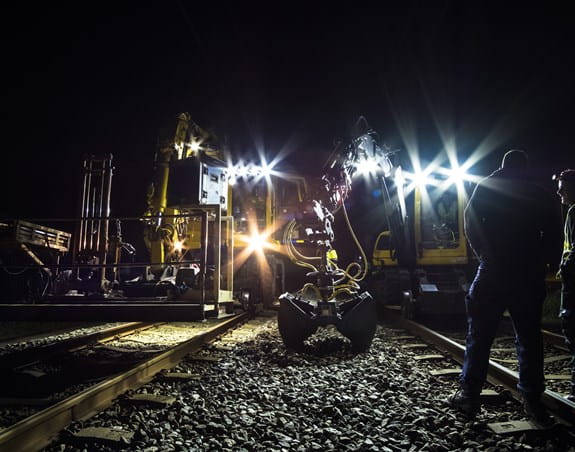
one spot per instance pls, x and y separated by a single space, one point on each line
566 191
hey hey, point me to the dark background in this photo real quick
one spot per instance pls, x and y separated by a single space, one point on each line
110 78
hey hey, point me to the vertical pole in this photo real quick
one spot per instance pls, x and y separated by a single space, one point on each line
204 260
86 211
100 204
217 244
105 210
87 224
91 216
229 263
80 234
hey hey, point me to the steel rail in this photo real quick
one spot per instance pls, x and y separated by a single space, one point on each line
20 358
562 408
555 339
37 431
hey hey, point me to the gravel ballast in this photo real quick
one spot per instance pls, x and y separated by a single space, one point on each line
249 393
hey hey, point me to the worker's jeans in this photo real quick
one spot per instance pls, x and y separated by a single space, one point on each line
567 315
489 295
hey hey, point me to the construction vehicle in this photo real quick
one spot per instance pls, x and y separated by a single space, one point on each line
219 235
333 294
420 262
435 280
201 232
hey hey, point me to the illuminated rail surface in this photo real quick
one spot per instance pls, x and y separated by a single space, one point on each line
164 344
27 350
503 363
414 338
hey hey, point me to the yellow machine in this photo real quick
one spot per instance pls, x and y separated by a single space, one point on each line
435 277
211 230
218 235
186 228
262 206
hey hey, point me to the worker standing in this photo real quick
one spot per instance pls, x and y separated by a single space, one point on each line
507 223
566 190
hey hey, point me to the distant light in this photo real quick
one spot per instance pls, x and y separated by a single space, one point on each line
178 245
245 295
242 170
367 166
422 178
195 145
256 242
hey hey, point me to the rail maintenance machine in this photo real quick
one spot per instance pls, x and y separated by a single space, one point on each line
420 263
202 231
427 273
333 294
218 235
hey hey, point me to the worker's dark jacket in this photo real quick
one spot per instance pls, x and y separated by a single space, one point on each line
509 223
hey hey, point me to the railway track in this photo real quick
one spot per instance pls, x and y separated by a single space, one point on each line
503 365
13 355
14 332
38 376
245 391
94 370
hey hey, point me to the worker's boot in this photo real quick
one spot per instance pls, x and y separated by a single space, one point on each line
465 402
536 411
571 396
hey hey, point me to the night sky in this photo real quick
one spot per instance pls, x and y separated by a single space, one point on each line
111 78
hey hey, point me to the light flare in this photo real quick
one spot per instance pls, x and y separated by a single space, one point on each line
367 166
178 246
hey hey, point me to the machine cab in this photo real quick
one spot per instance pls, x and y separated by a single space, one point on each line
436 215
438 225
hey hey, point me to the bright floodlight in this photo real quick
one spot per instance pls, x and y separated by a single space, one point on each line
266 169
366 166
178 245
242 171
256 242
457 174
195 145
423 178
249 170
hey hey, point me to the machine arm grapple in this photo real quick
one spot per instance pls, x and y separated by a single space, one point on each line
332 295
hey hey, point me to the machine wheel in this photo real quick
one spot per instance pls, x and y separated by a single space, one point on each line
391 289
408 306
